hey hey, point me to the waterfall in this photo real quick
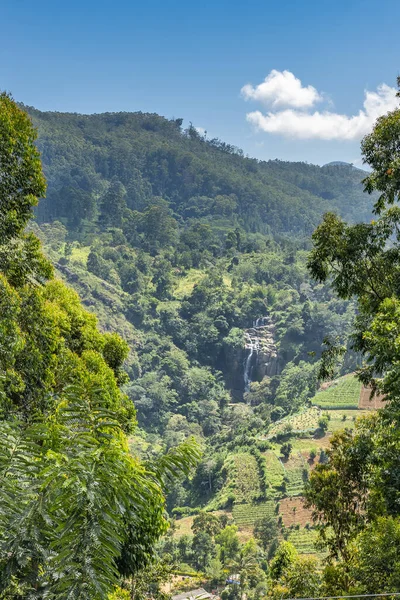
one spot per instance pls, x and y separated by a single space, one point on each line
247 370
261 353
260 322
254 339
252 344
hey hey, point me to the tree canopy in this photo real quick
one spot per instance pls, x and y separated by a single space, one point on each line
75 504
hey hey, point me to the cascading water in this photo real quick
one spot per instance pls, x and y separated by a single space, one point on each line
248 363
261 355
252 344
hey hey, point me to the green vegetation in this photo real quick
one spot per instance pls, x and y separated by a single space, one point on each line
302 422
354 496
343 393
77 510
248 514
179 245
246 477
341 419
144 156
295 478
275 470
303 540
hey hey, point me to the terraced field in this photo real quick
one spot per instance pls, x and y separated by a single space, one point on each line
304 540
294 474
294 486
275 470
341 393
342 419
248 514
304 421
304 445
247 483
293 512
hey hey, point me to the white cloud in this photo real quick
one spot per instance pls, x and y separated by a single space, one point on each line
326 125
201 131
282 88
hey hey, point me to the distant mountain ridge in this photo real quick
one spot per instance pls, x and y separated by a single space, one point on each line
341 163
152 156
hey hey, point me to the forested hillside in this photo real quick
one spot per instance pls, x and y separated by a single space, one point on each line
73 499
181 243
200 180
197 256
200 259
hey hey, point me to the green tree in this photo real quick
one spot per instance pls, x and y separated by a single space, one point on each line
286 449
113 205
266 531
203 549
323 423
206 522
284 558
214 571
228 540
75 505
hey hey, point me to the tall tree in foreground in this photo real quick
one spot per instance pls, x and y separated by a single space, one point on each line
358 491
76 508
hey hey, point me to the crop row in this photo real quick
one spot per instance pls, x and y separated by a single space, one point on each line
248 514
345 392
303 540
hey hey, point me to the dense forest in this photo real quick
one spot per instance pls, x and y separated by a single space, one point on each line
164 414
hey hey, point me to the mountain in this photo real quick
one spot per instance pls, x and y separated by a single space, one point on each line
340 163
197 256
182 244
205 180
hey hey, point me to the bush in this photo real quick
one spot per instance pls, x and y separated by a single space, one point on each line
286 449
184 511
323 457
263 445
323 423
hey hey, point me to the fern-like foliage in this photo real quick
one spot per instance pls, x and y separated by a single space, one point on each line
76 508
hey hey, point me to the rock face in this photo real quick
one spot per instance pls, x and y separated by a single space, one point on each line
261 355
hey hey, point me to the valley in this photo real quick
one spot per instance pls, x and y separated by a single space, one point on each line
225 329
236 369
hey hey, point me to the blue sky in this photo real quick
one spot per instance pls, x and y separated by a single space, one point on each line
192 59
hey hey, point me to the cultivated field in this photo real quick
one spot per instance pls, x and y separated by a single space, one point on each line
339 394
296 470
365 402
293 512
248 514
275 470
304 540
304 421
247 483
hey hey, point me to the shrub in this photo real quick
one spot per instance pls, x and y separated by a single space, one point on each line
323 457
313 453
286 449
323 422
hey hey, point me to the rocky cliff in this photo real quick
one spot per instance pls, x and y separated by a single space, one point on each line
261 354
